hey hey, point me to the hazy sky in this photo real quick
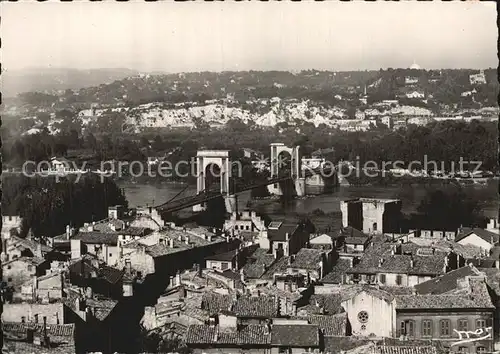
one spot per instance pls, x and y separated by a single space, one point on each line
198 36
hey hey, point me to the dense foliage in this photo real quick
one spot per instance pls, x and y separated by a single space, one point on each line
443 142
47 205
446 211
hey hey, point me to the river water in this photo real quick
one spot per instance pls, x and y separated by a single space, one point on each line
142 194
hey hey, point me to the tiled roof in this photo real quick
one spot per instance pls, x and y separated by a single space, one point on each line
334 325
331 303
280 266
62 330
398 290
280 234
337 272
252 334
492 279
261 306
34 261
432 264
102 307
226 256
134 231
105 227
215 303
85 268
337 345
348 292
32 245
356 240
487 236
93 237
300 336
400 349
350 231
477 297
446 282
257 263
307 258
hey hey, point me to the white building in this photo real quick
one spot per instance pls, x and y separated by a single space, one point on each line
476 79
478 237
415 94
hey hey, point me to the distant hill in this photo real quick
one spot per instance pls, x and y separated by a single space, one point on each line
49 80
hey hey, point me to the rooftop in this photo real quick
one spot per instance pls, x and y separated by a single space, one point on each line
63 330
94 237
446 282
337 272
252 334
257 263
34 261
302 336
487 236
280 234
333 325
307 258
476 297
380 259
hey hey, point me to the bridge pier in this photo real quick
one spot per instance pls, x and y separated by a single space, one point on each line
199 208
231 203
275 189
300 187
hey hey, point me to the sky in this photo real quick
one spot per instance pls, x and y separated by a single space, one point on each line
217 36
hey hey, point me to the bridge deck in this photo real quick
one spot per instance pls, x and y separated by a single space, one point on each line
205 196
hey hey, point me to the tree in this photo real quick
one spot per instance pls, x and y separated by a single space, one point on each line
43 117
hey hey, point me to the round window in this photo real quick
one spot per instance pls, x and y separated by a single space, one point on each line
363 317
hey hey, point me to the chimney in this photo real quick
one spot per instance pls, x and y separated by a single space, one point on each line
178 279
180 238
38 251
187 240
412 263
171 243
209 238
199 271
287 236
68 232
380 262
242 276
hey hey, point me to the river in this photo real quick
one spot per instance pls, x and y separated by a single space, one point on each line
142 194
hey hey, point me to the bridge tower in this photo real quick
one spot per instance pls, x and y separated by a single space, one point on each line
206 160
276 162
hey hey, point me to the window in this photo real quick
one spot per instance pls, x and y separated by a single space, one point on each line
463 325
363 316
427 328
284 350
247 227
399 279
444 326
374 226
36 318
224 265
462 349
23 319
111 254
480 323
30 268
9 279
8 267
481 350
382 278
236 227
407 328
